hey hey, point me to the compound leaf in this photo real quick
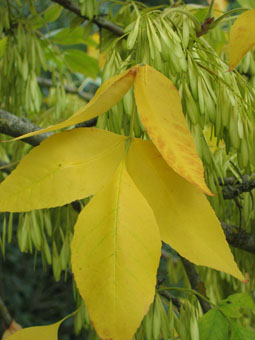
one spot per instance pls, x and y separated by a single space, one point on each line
159 106
66 166
115 254
185 218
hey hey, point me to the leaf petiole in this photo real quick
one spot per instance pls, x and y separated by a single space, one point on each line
187 290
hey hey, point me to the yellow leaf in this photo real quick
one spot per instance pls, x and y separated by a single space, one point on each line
242 37
106 96
13 328
66 166
115 253
185 218
38 332
160 109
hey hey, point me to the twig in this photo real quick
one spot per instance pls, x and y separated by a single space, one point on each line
14 126
196 283
100 21
239 238
233 188
70 89
5 314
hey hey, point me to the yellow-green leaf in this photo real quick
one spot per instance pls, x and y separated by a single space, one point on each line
242 37
159 106
185 218
38 332
115 255
66 166
106 96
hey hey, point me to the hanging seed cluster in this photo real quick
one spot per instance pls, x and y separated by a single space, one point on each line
20 65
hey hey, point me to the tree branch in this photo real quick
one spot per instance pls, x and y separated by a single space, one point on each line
196 283
70 89
233 188
239 238
14 126
100 21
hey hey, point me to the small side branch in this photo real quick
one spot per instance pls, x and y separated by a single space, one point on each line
196 283
70 89
233 187
100 21
5 314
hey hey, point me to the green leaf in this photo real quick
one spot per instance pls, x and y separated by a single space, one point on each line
240 333
247 3
213 325
2 46
69 36
52 13
79 61
232 305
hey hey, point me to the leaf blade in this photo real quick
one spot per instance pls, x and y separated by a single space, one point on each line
66 166
160 109
213 325
185 218
117 284
106 96
242 37
38 332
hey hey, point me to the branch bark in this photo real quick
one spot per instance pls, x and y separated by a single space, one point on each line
70 89
100 21
233 188
196 283
239 238
14 126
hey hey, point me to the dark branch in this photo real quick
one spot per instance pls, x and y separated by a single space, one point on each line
100 21
5 314
196 283
14 126
239 238
232 187
70 89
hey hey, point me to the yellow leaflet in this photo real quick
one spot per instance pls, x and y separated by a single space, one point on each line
106 96
159 107
38 332
185 218
115 253
242 37
67 166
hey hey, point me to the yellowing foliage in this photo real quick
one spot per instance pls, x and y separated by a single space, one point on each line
115 256
38 332
143 193
242 37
